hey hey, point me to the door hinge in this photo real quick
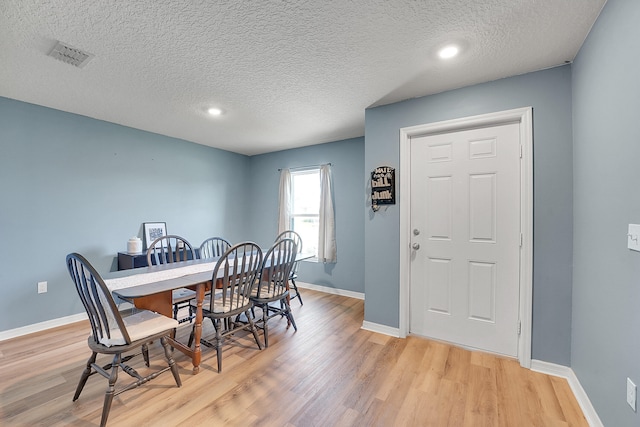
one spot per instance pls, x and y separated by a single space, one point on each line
521 239
519 327
520 151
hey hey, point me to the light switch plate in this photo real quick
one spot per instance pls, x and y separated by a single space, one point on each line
633 237
631 394
42 287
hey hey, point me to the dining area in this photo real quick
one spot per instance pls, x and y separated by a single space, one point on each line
298 379
331 373
238 287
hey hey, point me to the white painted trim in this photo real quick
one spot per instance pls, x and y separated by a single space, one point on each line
523 116
581 396
526 228
404 176
42 326
381 329
329 290
50 324
54 323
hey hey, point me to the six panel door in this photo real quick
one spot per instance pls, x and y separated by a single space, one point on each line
465 217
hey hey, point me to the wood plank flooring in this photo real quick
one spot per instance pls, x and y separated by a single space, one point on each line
329 373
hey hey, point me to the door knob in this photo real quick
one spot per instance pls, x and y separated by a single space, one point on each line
416 246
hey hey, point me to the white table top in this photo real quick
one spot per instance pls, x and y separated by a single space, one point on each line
155 274
144 281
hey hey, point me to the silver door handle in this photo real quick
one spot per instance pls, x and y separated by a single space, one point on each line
416 246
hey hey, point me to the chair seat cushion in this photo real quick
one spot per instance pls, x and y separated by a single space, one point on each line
182 294
266 292
142 324
219 307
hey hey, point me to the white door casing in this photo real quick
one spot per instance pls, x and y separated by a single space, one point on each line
473 244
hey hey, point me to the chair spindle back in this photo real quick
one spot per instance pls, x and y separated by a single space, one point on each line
214 247
97 300
236 272
276 268
169 249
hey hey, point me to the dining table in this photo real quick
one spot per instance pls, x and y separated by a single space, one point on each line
151 288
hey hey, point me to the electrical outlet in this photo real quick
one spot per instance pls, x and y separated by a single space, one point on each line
633 237
631 394
42 287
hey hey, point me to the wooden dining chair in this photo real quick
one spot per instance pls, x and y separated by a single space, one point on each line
234 275
167 250
115 335
272 285
290 234
214 247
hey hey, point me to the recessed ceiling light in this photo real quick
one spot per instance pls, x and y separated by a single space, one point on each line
448 52
214 111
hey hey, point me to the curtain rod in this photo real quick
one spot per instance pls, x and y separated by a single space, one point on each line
306 167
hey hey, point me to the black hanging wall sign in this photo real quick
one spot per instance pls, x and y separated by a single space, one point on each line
383 187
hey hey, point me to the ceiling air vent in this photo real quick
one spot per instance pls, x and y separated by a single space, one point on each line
70 55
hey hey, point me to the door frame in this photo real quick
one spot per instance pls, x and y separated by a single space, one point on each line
523 116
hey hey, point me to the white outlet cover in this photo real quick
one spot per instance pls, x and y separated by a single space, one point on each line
42 287
631 394
633 237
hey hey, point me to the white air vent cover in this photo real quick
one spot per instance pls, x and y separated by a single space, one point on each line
70 55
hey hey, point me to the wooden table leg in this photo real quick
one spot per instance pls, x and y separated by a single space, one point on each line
162 303
197 352
288 301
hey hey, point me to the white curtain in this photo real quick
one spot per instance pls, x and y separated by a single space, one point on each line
327 230
284 212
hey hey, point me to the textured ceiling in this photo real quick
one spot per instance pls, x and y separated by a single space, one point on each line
286 73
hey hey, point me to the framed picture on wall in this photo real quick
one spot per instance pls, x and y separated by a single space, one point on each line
153 230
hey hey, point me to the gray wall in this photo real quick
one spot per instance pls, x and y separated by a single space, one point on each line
549 93
69 183
606 285
347 159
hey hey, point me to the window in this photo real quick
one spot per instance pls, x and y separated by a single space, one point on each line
305 207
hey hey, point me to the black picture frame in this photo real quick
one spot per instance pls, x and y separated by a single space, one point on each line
153 230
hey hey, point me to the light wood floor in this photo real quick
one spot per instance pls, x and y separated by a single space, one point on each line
329 373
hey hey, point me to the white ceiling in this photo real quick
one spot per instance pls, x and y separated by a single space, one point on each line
287 73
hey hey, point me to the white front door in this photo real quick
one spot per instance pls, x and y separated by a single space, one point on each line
465 222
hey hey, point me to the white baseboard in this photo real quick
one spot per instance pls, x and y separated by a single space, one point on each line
369 326
54 323
328 290
42 326
381 329
581 396
49 324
